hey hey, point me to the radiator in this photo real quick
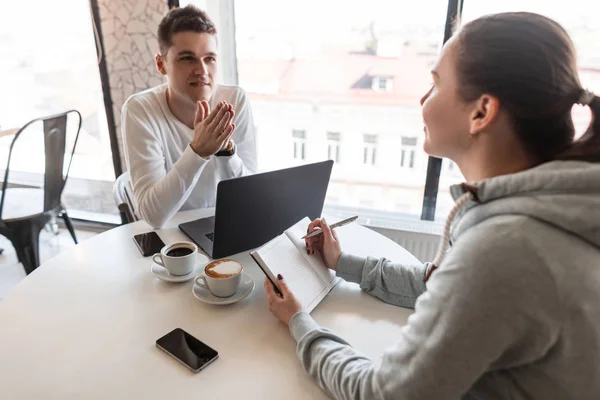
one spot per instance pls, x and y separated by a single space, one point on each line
421 245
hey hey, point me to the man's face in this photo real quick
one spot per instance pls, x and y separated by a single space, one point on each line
190 65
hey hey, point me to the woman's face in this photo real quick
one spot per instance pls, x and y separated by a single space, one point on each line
446 118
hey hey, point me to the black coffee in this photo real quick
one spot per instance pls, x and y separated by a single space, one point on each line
179 252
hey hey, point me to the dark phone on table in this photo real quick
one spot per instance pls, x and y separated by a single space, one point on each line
186 349
149 243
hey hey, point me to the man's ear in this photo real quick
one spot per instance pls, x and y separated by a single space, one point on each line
160 64
485 112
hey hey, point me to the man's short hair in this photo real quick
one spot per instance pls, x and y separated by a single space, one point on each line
186 19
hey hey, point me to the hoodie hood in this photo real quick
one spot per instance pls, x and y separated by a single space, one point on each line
564 194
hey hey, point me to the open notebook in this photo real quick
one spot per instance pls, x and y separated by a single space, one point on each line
306 276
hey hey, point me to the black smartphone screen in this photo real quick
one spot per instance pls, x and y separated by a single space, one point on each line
149 243
187 349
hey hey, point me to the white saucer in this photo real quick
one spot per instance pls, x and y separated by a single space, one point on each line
204 295
161 272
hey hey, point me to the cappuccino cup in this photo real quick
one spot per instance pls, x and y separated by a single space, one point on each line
178 258
221 277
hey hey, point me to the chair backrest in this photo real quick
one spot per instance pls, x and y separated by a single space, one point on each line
123 194
55 174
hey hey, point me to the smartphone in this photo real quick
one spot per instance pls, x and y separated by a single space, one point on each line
186 349
267 273
148 243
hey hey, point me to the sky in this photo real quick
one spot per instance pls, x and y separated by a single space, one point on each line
313 26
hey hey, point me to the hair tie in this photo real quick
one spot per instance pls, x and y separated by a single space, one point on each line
586 97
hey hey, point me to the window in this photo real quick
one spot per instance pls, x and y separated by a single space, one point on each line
370 149
366 73
407 158
408 151
299 138
333 146
50 66
382 83
362 74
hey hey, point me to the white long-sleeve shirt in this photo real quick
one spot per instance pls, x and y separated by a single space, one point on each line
166 174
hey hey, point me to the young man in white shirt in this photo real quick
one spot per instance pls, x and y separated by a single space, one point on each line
183 137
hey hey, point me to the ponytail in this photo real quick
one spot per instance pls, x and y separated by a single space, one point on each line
587 147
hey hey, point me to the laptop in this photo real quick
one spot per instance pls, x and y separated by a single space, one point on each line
254 209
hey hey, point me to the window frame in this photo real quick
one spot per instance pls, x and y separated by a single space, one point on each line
106 92
434 164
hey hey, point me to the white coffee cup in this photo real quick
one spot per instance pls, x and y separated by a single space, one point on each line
221 277
178 258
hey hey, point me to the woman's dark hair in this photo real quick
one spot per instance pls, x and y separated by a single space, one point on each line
189 18
528 62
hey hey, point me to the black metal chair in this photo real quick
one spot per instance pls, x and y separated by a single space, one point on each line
25 211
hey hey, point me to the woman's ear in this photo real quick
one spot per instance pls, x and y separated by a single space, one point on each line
160 64
484 113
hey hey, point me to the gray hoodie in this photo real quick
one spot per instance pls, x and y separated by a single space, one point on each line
513 311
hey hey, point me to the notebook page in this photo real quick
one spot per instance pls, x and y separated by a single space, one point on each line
295 234
282 257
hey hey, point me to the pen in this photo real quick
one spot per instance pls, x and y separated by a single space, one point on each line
332 226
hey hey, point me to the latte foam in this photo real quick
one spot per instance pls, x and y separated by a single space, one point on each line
223 268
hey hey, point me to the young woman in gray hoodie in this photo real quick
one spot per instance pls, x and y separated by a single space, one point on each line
512 310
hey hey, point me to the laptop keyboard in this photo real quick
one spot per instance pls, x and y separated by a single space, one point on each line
210 236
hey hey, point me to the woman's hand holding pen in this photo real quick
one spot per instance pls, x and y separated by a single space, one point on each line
326 243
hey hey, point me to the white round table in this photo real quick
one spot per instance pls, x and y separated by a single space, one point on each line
84 326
